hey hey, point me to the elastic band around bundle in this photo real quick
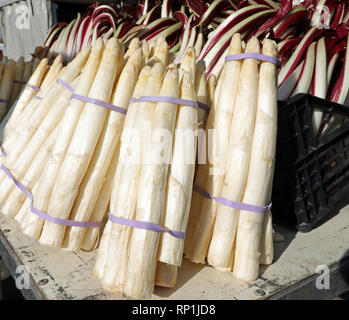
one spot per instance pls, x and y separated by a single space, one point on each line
232 204
145 226
45 215
253 55
99 103
32 87
183 102
4 101
19 82
204 107
65 85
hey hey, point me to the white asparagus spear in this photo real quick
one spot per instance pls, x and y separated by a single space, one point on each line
188 64
201 89
16 198
93 180
239 148
200 231
83 144
28 72
260 175
129 125
6 86
133 46
267 242
27 95
125 189
35 63
145 50
51 75
103 252
181 176
161 51
212 82
92 235
142 263
43 189
16 85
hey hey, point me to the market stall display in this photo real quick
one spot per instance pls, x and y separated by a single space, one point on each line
153 134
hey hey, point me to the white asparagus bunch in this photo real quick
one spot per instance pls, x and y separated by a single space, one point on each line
105 252
48 176
179 184
260 174
93 180
210 176
83 144
141 268
14 146
220 254
111 266
28 152
29 166
126 183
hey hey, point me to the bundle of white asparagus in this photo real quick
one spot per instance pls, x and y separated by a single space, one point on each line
154 177
63 148
244 119
119 132
62 143
13 77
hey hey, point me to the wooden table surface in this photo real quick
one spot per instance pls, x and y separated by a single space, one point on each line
58 274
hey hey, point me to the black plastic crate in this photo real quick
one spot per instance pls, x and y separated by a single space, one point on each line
311 181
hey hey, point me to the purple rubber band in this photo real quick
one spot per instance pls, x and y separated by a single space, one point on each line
45 215
3 100
20 82
65 85
37 97
99 103
232 204
204 107
32 87
253 55
145 225
183 102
